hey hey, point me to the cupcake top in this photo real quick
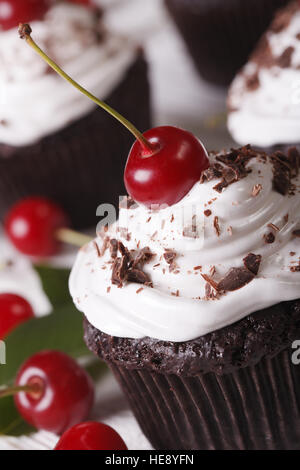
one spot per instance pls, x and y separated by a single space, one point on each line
227 249
264 98
36 102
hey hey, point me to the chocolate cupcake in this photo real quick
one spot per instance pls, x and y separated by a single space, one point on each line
220 34
195 307
53 141
264 98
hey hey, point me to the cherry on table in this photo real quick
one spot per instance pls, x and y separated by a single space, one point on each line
55 392
14 310
91 436
32 225
13 12
168 173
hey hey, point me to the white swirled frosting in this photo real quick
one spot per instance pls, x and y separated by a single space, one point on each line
264 99
176 308
36 102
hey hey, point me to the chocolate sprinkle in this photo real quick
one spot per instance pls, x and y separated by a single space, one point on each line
217 226
207 212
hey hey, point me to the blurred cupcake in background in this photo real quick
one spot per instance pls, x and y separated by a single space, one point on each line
264 98
220 34
53 141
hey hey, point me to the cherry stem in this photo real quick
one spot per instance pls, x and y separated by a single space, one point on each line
71 237
25 33
11 391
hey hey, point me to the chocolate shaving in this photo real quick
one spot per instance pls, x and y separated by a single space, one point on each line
213 172
285 60
284 169
282 20
97 249
207 212
269 237
126 268
170 256
235 279
144 256
252 263
256 190
232 167
138 276
217 226
296 233
113 247
210 281
273 227
119 271
252 82
124 252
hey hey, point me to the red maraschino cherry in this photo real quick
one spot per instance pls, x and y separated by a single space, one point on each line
91 436
14 310
52 392
164 163
32 224
12 12
168 174
37 227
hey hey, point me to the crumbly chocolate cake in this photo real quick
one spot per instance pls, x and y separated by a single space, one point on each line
261 334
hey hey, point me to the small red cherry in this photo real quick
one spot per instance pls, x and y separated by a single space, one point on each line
170 172
60 393
13 12
14 310
32 225
91 436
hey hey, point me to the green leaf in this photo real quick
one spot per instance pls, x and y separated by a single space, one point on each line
62 330
55 284
10 421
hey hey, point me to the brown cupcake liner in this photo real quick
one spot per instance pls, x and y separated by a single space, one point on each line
221 34
254 408
82 165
